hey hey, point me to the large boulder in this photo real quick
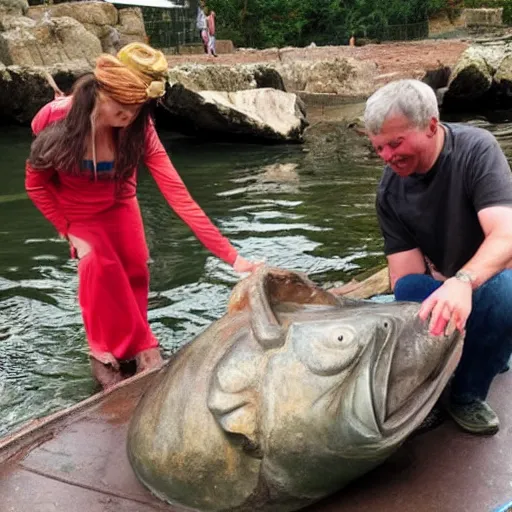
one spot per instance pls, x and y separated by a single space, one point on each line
471 77
43 43
481 80
340 76
87 13
504 71
262 114
13 7
114 28
198 77
24 90
131 22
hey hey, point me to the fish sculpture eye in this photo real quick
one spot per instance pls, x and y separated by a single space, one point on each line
326 348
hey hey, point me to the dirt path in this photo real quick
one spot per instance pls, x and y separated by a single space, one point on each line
402 59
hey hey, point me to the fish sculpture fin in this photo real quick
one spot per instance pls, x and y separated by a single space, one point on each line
268 286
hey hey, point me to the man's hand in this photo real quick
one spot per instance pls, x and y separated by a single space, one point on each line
452 301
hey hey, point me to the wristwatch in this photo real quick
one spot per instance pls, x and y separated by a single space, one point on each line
465 277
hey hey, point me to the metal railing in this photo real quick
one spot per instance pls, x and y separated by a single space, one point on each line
170 28
406 32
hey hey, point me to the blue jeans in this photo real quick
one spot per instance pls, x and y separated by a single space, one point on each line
488 342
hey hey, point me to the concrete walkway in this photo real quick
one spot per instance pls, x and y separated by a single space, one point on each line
76 460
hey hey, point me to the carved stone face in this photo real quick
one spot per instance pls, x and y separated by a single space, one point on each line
292 394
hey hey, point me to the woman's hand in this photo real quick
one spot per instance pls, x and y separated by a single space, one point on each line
242 265
80 247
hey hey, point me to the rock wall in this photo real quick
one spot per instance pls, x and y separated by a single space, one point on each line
483 17
13 7
61 40
74 32
113 27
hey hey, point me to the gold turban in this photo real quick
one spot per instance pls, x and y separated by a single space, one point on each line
137 74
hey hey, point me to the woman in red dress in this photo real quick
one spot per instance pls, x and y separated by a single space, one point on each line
81 174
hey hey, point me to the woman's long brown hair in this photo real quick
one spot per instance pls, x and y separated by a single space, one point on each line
62 144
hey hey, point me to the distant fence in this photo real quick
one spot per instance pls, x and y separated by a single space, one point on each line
406 32
170 28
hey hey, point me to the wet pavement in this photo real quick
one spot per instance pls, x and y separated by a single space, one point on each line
76 460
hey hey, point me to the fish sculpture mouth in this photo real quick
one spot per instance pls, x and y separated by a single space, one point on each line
410 389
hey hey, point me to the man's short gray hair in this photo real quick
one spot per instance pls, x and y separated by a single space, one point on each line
411 98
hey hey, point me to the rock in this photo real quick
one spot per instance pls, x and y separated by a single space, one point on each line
492 54
279 173
338 141
483 17
440 93
131 22
262 114
112 27
438 77
504 71
282 178
87 13
13 7
23 91
131 26
110 40
198 77
44 44
10 22
341 76
471 77
266 76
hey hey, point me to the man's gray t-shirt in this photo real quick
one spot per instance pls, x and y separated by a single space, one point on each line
437 211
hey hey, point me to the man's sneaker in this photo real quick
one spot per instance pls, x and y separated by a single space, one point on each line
475 417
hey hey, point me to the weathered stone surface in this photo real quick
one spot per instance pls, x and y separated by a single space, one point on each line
198 77
252 113
131 22
287 398
91 13
13 7
44 43
347 77
483 17
113 28
10 22
504 71
471 77
23 91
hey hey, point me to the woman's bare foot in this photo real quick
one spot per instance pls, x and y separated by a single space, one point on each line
148 359
107 375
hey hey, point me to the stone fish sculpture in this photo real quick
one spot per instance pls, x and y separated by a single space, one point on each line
287 398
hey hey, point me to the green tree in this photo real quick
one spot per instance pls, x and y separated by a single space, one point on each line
265 23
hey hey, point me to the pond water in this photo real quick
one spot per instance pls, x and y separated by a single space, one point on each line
319 220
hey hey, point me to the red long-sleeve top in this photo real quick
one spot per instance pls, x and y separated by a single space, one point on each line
66 197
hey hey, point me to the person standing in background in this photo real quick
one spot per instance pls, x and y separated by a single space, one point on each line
210 23
201 24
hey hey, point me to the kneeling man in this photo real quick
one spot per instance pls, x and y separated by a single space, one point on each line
444 206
